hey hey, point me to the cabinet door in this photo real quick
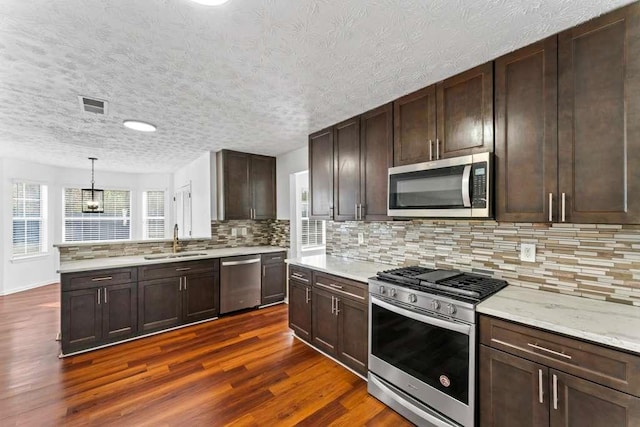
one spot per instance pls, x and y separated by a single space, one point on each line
200 293
321 174
526 133
273 282
346 169
300 309
325 322
81 319
120 311
414 121
465 112
510 390
159 304
376 157
599 118
263 187
237 193
352 334
583 403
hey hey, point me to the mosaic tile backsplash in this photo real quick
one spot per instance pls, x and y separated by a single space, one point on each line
258 233
593 261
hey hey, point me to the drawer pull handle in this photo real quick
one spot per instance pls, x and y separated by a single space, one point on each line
537 347
555 392
299 277
100 279
276 257
333 285
183 269
540 394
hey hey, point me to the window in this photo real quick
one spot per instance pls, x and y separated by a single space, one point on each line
312 231
29 219
153 215
113 224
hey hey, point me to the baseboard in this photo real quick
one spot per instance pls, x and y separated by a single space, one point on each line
28 287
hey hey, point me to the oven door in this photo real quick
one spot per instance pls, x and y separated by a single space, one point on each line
429 358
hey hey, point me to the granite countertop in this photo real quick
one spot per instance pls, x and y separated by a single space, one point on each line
352 269
137 260
603 322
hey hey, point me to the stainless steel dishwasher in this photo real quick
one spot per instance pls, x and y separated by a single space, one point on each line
240 283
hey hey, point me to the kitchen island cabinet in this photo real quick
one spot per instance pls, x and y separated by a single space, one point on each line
300 302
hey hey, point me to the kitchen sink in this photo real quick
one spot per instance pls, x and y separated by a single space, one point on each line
178 255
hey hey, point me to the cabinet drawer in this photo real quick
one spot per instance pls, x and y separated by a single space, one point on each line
300 274
602 365
345 287
97 278
273 258
174 269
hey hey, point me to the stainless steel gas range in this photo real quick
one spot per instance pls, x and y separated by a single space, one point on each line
422 342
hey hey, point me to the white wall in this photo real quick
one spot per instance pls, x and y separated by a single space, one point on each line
21 274
286 165
198 173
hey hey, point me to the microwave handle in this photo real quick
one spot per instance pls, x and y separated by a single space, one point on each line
466 177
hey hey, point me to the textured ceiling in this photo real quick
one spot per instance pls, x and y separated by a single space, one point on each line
252 75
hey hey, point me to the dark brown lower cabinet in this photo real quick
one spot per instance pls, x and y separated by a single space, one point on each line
324 322
274 278
300 309
353 334
97 315
159 304
517 391
200 297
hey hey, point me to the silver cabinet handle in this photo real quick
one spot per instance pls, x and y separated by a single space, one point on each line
333 305
100 279
540 394
333 285
550 207
337 309
105 296
264 271
356 212
183 269
307 298
180 286
563 207
537 347
430 150
362 210
185 284
246 261
98 296
437 148
555 391
299 277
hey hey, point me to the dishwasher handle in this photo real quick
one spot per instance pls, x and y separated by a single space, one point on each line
246 261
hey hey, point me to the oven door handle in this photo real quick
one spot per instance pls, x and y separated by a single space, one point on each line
466 178
434 321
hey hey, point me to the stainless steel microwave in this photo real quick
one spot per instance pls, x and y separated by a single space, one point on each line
456 187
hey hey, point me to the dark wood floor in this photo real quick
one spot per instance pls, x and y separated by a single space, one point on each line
242 370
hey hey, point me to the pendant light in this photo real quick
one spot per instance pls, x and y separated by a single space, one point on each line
92 198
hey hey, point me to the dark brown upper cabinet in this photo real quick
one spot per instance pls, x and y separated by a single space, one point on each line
321 174
526 149
246 186
599 119
349 163
451 118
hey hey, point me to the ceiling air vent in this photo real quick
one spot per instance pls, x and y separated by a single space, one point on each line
93 105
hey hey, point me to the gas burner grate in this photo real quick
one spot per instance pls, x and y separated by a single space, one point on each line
405 275
481 285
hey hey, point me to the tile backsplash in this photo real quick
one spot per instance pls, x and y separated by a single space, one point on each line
594 261
248 233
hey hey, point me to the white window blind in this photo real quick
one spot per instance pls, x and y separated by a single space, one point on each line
29 219
312 231
153 215
113 224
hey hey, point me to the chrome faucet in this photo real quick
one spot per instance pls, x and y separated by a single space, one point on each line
175 239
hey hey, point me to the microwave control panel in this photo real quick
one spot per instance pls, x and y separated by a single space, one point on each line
479 185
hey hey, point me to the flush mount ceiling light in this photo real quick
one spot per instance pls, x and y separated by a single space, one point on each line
92 198
138 125
210 2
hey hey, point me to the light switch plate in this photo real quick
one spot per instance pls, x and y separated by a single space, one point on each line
244 231
234 232
528 252
361 238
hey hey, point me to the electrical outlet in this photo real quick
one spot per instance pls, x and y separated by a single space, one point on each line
244 231
528 252
361 238
234 232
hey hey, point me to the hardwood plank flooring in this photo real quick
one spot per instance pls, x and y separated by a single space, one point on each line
241 370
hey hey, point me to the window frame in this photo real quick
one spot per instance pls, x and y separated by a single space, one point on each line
146 217
321 223
42 218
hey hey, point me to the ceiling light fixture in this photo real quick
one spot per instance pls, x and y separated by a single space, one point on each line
138 125
92 198
210 2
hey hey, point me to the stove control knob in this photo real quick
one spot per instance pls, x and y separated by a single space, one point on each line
393 293
382 290
450 309
435 305
413 298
